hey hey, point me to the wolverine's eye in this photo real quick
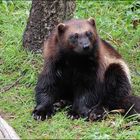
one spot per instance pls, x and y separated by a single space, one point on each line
75 35
89 34
73 38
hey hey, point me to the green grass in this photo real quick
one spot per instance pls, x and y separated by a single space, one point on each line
114 23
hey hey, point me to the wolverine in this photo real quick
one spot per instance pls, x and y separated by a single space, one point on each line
86 71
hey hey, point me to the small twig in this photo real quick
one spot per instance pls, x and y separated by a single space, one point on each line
6 88
117 111
129 110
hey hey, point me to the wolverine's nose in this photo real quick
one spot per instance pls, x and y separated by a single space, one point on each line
86 47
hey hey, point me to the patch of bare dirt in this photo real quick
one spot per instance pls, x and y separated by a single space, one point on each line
6 115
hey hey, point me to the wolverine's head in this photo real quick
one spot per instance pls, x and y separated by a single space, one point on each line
77 35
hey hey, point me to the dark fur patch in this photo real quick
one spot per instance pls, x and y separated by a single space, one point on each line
117 86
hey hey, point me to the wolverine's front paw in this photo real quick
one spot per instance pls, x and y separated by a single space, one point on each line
42 112
73 115
97 114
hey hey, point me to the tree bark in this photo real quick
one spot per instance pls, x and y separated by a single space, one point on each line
44 16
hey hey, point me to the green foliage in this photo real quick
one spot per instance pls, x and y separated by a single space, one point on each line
19 70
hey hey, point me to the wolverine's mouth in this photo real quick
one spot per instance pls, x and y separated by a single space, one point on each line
82 51
86 47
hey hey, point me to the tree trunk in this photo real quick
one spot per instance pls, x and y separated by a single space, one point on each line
44 16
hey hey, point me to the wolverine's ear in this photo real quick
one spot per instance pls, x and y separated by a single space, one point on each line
61 27
92 21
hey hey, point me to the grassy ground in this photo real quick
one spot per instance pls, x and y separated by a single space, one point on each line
19 70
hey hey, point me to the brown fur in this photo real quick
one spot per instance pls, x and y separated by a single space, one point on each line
108 55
